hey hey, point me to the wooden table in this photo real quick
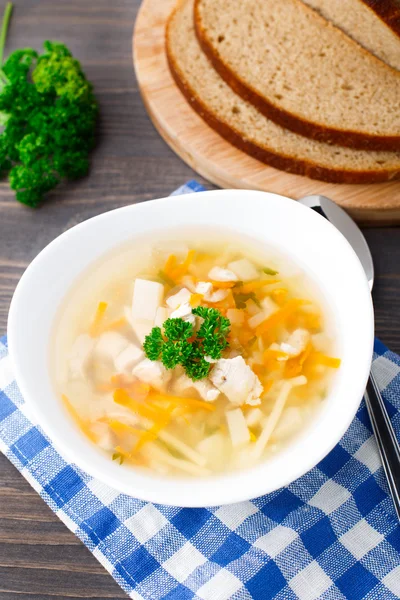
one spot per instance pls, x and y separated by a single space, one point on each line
39 558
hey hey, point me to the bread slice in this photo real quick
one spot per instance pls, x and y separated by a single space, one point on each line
375 24
244 126
301 71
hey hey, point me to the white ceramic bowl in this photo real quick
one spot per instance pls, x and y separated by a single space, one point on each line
290 227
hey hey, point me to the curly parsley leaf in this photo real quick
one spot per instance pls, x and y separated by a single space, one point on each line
153 344
180 345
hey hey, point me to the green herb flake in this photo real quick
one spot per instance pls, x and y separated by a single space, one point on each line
241 299
269 271
118 456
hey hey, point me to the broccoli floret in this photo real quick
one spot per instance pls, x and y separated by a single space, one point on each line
48 112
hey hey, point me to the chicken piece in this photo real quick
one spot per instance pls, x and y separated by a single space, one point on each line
235 315
220 274
154 373
181 297
110 344
161 316
184 311
205 288
217 296
296 342
244 269
147 297
128 358
268 306
80 355
234 378
204 388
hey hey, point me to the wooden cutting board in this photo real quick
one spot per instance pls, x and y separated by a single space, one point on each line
214 158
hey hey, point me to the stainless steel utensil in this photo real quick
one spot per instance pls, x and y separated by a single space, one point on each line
388 445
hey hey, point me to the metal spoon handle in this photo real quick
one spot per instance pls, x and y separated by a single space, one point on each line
388 445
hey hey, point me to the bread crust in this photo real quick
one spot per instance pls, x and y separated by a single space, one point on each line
274 159
349 138
388 11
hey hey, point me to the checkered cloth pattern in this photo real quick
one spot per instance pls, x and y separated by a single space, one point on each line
332 534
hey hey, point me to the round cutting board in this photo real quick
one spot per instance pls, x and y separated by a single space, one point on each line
213 157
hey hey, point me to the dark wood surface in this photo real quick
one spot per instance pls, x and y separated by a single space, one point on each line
39 558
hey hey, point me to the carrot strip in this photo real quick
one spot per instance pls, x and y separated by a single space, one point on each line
118 427
267 385
84 425
150 435
170 265
253 286
190 402
223 285
98 317
279 316
123 452
318 358
195 300
294 366
122 397
269 353
279 295
182 269
117 324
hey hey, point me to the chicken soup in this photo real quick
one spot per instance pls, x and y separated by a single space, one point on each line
193 357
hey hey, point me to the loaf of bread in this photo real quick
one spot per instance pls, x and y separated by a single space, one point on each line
301 71
244 126
375 24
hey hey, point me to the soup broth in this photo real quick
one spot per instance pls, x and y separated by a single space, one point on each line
193 356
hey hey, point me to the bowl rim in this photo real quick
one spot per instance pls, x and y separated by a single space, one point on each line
198 492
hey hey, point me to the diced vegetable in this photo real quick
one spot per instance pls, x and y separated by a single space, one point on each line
297 342
147 297
161 316
142 328
128 358
152 372
236 316
237 426
80 355
181 297
220 274
243 269
109 345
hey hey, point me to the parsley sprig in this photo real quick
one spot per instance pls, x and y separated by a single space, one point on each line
179 344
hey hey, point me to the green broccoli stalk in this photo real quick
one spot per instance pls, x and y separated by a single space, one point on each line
48 112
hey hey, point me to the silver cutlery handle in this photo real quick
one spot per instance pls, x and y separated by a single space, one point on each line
388 445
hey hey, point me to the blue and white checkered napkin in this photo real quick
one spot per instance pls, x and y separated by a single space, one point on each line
332 534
